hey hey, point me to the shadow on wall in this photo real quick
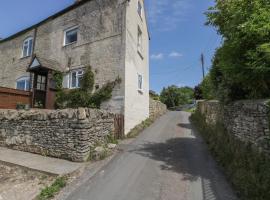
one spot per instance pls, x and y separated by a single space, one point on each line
189 157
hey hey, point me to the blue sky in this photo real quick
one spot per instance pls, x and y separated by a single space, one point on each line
178 35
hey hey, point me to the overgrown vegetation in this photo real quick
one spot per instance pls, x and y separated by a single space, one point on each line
241 66
174 96
139 128
84 96
247 169
153 95
50 191
205 90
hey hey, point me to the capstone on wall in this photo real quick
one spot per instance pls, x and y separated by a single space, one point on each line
247 120
67 134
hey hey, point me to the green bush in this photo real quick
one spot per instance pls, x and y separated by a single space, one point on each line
247 168
241 66
84 96
50 191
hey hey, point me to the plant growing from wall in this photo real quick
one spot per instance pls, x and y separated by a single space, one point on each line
84 96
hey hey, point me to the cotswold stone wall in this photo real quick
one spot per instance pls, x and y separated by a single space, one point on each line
246 120
67 134
156 108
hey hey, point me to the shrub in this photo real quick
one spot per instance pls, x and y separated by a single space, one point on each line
50 191
246 167
84 96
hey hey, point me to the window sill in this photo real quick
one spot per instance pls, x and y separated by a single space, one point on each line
25 57
69 44
140 91
140 54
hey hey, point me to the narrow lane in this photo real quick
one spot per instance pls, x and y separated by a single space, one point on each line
168 161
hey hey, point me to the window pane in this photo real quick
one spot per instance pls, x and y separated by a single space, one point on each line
30 46
39 79
38 86
71 36
73 79
20 85
79 81
25 50
43 79
27 84
140 81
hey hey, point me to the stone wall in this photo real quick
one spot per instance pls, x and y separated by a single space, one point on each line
156 108
246 120
67 134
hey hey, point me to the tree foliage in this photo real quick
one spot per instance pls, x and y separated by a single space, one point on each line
205 90
241 66
84 96
174 96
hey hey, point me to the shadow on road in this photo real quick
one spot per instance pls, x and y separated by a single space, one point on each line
189 157
185 125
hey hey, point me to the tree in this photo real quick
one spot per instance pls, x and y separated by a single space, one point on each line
241 66
174 96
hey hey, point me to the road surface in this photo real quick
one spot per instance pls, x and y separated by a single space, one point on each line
168 161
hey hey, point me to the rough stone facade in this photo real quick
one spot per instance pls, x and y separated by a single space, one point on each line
107 41
67 134
249 120
156 108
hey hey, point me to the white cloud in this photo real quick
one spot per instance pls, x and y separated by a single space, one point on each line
158 56
175 54
165 15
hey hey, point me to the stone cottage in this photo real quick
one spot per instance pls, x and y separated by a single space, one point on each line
111 36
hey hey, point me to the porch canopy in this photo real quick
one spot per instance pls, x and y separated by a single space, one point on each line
43 64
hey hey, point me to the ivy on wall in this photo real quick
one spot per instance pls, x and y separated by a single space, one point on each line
84 96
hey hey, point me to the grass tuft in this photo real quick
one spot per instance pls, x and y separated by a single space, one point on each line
50 191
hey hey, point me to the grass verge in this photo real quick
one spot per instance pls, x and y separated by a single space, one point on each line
140 127
247 169
50 191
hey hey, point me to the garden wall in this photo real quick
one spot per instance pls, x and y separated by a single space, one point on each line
67 134
156 108
246 120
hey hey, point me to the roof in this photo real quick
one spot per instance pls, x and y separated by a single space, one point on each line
38 61
73 6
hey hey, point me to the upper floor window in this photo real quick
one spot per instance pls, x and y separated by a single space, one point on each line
27 48
70 36
23 83
140 82
75 78
140 8
140 40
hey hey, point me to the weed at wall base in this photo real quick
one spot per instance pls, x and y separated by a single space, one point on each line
50 191
246 168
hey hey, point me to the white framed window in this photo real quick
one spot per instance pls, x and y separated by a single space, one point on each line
75 78
140 40
71 35
140 8
23 83
27 47
140 82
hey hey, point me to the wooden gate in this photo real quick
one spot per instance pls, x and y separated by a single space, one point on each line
119 130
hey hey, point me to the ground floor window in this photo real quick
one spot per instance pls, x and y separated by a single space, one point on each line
23 83
75 78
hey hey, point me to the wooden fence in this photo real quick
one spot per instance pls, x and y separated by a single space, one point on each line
119 122
10 98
